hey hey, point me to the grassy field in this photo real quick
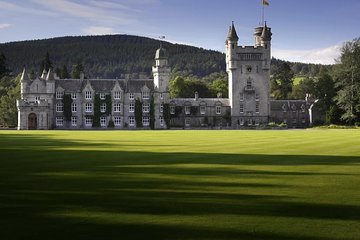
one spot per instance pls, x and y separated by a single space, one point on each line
283 185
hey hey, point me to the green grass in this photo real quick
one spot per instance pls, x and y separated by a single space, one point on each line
283 185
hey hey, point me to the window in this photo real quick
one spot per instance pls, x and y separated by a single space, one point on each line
73 96
146 107
187 110
218 109
74 121
248 83
132 121
132 107
117 121
257 122
202 110
88 121
161 96
74 107
161 107
117 107
102 96
37 98
241 108
302 108
103 107
59 107
145 95
59 121
187 122
241 122
257 97
257 107
161 121
103 121
131 96
242 97
284 108
88 107
59 95
117 95
293 107
172 110
146 121
88 95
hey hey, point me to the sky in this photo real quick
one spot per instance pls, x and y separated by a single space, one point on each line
310 31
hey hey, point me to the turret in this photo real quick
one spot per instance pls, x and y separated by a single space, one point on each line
231 45
266 44
50 76
161 70
44 74
24 80
50 82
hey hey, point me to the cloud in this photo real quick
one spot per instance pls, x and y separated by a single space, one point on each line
4 25
109 12
16 8
321 56
97 30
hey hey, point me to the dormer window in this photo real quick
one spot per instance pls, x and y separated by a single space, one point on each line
59 95
146 95
88 95
102 96
117 95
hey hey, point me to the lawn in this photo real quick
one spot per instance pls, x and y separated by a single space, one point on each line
283 185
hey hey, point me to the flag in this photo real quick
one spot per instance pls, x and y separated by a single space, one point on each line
266 2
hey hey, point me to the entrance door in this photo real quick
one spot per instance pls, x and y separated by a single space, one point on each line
32 121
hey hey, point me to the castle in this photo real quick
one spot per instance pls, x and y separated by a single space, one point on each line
48 102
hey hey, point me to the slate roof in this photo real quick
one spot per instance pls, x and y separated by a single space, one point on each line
209 101
104 85
277 105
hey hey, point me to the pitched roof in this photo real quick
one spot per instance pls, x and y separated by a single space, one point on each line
232 35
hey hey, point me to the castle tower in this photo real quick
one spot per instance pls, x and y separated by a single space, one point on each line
248 69
161 95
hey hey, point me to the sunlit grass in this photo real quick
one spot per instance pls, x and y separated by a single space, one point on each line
180 184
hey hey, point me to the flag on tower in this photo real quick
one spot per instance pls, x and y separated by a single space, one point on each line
266 2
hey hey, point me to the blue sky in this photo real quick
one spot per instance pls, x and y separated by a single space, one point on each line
303 30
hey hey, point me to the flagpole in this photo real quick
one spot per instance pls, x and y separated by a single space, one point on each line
263 13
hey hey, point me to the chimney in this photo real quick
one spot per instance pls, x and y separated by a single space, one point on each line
196 96
82 76
219 95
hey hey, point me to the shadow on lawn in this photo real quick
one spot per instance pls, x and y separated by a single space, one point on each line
74 194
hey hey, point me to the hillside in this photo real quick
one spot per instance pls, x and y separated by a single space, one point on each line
111 56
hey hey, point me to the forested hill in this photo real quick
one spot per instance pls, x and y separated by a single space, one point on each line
110 56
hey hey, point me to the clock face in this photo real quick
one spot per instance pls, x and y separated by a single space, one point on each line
249 69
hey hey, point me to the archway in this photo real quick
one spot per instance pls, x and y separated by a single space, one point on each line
32 121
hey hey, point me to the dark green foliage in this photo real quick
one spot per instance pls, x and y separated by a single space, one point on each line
347 78
46 63
64 73
306 86
178 111
67 101
108 102
152 113
194 110
138 113
77 70
186 88
166 114
4 70
281 81
97 113
111 124
8 109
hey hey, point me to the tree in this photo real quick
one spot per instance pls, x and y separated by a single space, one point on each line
219 86
305 86
281 81
77 70
46 63
4 70
347 80
8 110
64 73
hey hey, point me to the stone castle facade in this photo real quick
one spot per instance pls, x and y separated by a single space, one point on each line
48 102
